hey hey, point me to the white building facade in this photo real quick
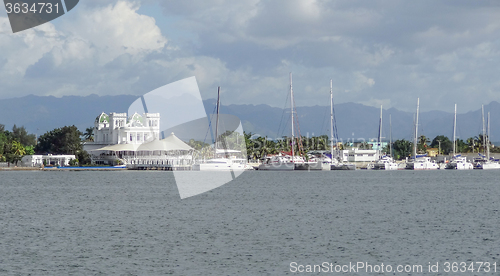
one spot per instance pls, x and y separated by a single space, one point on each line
359 155
47 160
117 128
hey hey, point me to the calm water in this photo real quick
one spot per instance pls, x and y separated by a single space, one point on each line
134 223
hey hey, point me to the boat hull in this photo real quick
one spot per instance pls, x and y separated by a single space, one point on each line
385 166
218 167
459 166
343 167
276 167
488 166
313 166
421 166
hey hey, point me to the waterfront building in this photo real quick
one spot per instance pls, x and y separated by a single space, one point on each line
39 160
117 128
362 155
135 141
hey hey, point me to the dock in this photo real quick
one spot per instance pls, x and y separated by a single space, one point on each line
159 167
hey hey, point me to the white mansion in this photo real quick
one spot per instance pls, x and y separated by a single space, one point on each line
117 128
135 141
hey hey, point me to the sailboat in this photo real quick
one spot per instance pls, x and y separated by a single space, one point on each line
419 162
384 162
486 162
220 162
288 161
336 164
458 162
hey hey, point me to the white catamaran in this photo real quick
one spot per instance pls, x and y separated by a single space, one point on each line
419 162
485 162
337 161
289 162
384 162
458 162
220 160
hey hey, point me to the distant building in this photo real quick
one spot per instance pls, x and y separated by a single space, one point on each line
432 152
358 155
117 128
39 160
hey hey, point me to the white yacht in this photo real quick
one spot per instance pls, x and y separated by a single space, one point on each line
486 162
458 162
289 161
221 164
385 162
336 163
223 159
420 162
280 163
488 165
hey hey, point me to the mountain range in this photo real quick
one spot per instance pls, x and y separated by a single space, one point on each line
40 114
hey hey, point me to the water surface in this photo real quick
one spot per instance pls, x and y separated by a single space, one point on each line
134 223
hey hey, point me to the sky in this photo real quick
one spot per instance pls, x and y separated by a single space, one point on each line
375 52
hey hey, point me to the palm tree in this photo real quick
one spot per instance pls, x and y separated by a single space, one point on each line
18 151
89 134
471 143
422 143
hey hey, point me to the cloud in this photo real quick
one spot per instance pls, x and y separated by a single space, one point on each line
388 51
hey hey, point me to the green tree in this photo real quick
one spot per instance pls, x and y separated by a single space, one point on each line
462 147
89 134
65 140
402 148
83 158
17 152
471 144
446 144
422 144
30 150
3 143
73 162
21 135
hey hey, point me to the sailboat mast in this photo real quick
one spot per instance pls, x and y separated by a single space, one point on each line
416 131
455 132
390 135
217 122
291 111
331 119
380 133
488 139
484 130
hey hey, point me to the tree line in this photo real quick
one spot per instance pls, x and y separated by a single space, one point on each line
66 140
15 144
69 140
259 147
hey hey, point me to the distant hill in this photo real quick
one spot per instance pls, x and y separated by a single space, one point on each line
40 114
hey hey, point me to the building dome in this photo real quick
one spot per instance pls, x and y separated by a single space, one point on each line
136 120
102 119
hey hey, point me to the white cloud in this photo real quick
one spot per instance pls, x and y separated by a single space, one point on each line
116 30
375 50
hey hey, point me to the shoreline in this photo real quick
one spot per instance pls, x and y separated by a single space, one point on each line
61 169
